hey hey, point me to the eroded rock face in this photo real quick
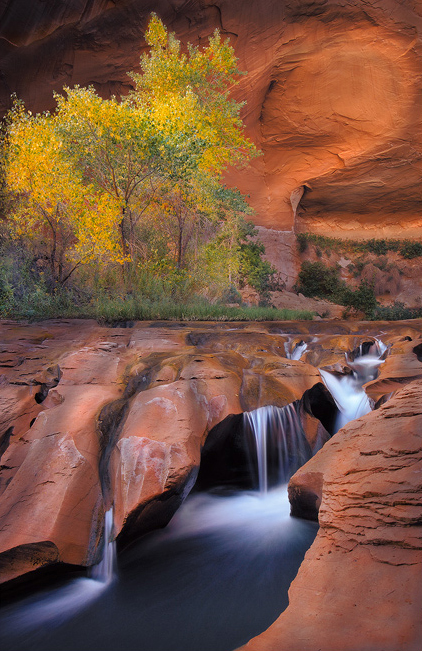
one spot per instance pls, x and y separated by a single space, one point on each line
331 95
359 585
95 416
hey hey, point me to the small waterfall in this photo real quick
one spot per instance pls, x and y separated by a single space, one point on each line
297 351
104 570
56 606
351 400
281 446
347 390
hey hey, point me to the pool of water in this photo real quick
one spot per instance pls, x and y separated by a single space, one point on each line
216 576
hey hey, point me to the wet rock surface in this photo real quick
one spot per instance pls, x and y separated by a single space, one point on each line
94 415
359 585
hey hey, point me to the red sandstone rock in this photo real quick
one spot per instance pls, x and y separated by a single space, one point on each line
159 390
158 450
359 586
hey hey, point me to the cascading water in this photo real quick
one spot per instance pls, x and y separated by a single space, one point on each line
297 351
281 444
347 390
104 571
56 606
194 575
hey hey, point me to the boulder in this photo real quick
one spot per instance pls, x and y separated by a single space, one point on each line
155 459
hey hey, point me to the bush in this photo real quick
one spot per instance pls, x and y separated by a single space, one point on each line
302 242
362 299
406 248
396 312
379 247
316 279
255 271
410 250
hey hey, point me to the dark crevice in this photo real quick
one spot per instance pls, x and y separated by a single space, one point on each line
5 440
225 457
41 395
156 513
110 424
54 374
418 351
318 402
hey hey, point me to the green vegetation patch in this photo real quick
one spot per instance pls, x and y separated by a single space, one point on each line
406 248
318 280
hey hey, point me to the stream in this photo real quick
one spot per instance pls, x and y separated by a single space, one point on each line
216 576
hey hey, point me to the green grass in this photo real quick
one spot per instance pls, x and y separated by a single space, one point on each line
39 306
136 309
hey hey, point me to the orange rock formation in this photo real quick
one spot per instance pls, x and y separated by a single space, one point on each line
359 586
94 415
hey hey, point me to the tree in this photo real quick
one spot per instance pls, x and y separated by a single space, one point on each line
95 171
198 81
49 201
177 127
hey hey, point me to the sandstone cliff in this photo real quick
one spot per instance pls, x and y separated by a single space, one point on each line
332 96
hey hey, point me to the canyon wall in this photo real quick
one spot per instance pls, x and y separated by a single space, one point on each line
332 96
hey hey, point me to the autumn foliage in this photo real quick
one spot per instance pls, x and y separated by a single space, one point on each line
134 185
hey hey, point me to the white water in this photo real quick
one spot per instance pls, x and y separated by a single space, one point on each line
281 445
104 571
297 351
350 398
56 606
347 390
215 577
206 513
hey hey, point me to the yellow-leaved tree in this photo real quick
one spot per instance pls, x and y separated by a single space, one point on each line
92 177
169 140
66 220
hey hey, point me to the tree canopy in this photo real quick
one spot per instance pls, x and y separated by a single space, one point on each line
136 181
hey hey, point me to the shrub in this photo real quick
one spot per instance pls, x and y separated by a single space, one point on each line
302 242
316 279
411 250
254 270
406 248
396 312
379 247
362 299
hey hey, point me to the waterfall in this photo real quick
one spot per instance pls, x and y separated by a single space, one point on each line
297 351
281 446
104 570
347 390
351 400
57 606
